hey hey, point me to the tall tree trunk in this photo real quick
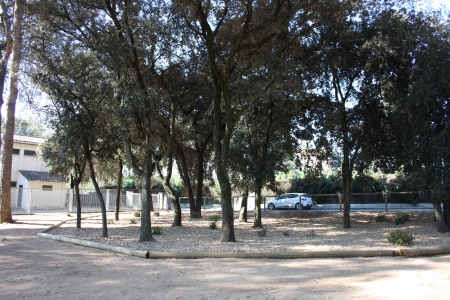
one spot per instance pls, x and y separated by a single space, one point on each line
7 145
146 226
257 223
346 168
440 220
197 213
119 186
221 147
243 211
78 201
447 209
145 174
87 154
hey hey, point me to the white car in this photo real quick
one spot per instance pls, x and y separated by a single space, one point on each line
289 201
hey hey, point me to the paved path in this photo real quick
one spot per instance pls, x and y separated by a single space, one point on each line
36 268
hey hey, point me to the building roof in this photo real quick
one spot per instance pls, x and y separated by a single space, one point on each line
41 176
28 139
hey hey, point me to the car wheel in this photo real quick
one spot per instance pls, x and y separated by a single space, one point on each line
297 206
271 206
309 207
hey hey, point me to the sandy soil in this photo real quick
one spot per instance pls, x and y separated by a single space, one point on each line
37 268
282 231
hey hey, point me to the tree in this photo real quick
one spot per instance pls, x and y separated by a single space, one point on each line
230 35
7 143
64 156
414 75
27 127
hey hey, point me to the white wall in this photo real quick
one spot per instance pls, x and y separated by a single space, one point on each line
28 163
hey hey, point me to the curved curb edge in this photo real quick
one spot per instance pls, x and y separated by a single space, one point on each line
406 252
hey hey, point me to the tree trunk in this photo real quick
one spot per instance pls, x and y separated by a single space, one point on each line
243 211
146 226
87 154
7 145
119 186
258 199
177 211
346 170
440 220
145 173
447 209
78 201
197 212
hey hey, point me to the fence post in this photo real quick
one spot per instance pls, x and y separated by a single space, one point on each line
386 195
107 200
70 200
340 201
29 201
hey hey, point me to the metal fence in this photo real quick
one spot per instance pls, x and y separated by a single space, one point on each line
33 200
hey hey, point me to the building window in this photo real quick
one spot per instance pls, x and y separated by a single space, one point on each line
47 187
16 151
13 184
29 153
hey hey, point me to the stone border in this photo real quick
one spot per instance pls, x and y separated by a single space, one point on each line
407 252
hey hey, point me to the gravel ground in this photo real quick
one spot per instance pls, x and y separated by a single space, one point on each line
283 231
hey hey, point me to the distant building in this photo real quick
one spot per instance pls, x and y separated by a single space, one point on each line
30 172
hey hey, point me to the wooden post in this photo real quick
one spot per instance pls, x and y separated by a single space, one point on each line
386 195
70 200
340 201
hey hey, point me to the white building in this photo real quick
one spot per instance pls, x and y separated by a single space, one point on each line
30 175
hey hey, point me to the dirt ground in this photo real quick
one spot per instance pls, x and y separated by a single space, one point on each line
37 268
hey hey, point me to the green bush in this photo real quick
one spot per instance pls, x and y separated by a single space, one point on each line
213 225
400 237
137 213
133 221
402 219
156 230
381 218
214 218
156 213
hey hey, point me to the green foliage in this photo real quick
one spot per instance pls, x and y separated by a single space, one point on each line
402 219
214 218
137 213
213 225
129 184
27 127
400 237
156 213
156 230
133 221
381 218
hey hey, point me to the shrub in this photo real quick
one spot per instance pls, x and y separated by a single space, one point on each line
156 213
156 230
214 218
133 221
402 219
400 237
213 225
137 213
381 218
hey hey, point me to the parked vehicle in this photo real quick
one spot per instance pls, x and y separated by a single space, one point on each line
290 201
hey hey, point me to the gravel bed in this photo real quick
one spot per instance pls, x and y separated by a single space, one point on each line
283 231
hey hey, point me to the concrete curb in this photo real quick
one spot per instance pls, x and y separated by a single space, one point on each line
406 252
